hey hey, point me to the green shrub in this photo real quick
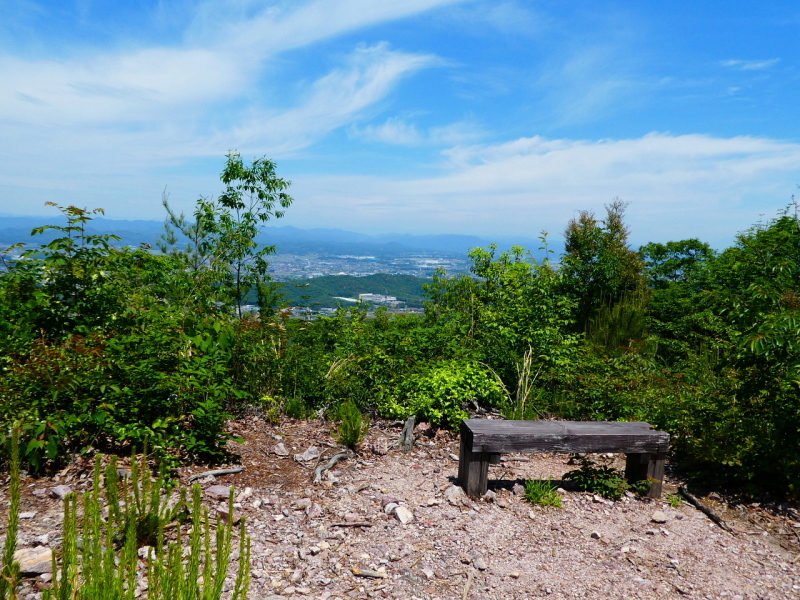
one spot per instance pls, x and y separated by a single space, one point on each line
444 393
352 426
599 479
542 491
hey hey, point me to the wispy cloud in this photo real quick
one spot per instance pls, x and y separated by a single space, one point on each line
679 185
399 132
750 65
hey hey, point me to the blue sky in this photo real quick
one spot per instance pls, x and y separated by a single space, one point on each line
486 117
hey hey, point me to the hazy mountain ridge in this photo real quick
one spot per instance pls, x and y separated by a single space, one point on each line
288 239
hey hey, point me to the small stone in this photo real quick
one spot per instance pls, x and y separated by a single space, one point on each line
310 454
302 504
27 515
146 552
501 503
479 564
256 503
429 574
403 514
60 491
280 449
490 496
244 495
514 574
39 492
389 508
453 495
231 518
323 545
296 576
34 561
218 492
433 502
651 532
314 511
659 517
595 535
278 518
518 489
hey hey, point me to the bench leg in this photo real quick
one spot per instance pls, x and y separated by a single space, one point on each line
473 470
649 467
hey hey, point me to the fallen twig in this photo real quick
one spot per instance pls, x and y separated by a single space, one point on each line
352 524
468 584
515 458
704 509
366 573
330 464
215 473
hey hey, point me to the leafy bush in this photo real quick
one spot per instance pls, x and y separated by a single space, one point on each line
599 479
542 491
444 393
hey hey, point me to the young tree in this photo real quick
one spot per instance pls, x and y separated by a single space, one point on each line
598 268
222 255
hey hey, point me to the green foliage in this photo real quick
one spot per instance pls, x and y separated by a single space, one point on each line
444 393
223 260
674 500
105 564
599 479
352 426
543 492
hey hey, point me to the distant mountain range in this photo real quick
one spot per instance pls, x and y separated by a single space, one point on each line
289 240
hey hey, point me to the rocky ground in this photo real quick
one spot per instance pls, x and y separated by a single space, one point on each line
390 524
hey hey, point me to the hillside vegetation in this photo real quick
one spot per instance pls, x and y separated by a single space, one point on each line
326 292
107 348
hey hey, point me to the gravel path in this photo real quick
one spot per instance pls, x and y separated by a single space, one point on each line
305 546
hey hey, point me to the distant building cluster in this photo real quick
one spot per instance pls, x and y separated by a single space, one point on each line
378 298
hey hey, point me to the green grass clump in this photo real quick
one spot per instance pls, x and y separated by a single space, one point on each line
543 492
352 427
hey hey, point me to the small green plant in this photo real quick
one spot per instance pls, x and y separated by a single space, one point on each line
674 500
542 491
295 408
352 427
599 479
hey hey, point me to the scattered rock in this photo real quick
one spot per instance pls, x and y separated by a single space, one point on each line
232 518
453 495
34 561
389 508
595 535
218 492
302 504
490 496
518 489
479 564
403 514
280 449
659 517
310 454
27 515
60 491
314 511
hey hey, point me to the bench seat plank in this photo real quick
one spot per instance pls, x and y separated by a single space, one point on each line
564 436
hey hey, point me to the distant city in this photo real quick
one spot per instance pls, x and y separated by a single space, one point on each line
286 267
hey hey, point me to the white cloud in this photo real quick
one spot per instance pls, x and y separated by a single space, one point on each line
750 65
680 186
398 132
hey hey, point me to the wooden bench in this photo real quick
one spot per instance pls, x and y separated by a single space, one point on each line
484 440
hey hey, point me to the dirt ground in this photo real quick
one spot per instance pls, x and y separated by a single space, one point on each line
343 538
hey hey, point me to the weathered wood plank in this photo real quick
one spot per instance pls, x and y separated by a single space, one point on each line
565 436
